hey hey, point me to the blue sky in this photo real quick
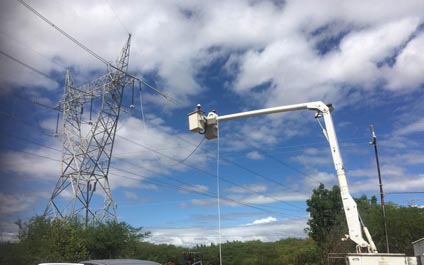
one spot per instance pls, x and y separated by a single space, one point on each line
364 57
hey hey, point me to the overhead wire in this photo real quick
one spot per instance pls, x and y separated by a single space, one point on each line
300 147
296 147
29 122
256 174
161 183
116 16
198 169
37 155
92 53
223 179
247 188
89 51
82 46
192 191
29 141
26 65
191 153
28 47
185 183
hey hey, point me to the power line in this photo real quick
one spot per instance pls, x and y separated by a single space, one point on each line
405 192
191 191
62 66
185 183
256 174
300 147
82 46
26 65
37 155
201 170
30 141
156 182
226 180
208 173
117 17
223 179
95 55
192 152
159 182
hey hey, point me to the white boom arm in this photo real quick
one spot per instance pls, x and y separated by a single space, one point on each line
198 122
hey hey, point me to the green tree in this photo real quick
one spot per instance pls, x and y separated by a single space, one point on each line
324 207
47 240
113 240
67 240
327 223
404 225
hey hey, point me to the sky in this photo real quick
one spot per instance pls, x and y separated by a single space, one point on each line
364 57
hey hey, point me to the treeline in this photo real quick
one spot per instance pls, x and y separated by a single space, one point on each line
294 251
45 240
327 224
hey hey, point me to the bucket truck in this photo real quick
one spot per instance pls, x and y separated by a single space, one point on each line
366 251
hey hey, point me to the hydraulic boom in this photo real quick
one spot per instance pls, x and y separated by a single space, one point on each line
199 122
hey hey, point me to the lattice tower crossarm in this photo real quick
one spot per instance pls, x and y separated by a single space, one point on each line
83 189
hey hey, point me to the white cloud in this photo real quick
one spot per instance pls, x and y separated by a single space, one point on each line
248 188
17 203
313 160
266 232
42 163
8 232
400 183
415 127
355 63
151 151
410 158
269 45
267 220
312 180
131 195
194 188
406 73
175 40
249 199
254 155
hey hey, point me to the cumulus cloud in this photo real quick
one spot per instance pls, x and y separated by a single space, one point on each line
176 39
254 155
159 146
259 187
17 203
405 74
269 219
274 52
194 188
8 231
251 199
415 127
38 163
266 232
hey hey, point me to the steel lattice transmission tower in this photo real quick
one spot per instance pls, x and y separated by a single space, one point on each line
83 188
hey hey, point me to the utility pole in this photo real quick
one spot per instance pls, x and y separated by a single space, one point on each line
374 143
83 189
